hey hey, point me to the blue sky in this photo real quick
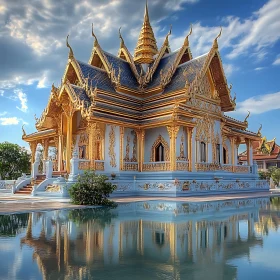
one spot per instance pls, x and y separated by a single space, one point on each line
33 54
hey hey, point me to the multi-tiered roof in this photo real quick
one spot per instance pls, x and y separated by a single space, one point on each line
155 86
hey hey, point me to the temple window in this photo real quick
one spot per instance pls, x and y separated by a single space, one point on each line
224 156
202 152
218 151
159 155
203 238
82 152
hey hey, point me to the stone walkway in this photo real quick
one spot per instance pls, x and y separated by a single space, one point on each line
18 204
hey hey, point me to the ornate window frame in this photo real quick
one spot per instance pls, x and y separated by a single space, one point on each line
165 144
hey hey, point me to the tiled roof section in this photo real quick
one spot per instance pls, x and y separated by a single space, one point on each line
186 72
232 119
97 77
244 131
41 133
116 99
165 63
81 94
127 77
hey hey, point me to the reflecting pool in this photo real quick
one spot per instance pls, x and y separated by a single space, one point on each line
233 239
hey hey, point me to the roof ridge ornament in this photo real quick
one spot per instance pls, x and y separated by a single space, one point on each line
186 42
166 41
93 35
259 131
215 43
120 35
247 117
71 53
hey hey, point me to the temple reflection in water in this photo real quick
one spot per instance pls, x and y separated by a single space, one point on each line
146 239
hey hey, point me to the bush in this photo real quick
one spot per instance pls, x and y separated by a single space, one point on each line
91 189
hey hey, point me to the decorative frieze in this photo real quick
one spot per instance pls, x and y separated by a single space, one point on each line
182 166
112 143
156 166
130 166
99 165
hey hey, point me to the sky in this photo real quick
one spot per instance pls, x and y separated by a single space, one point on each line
33 54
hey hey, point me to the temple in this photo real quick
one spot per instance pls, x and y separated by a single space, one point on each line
265 153
154 121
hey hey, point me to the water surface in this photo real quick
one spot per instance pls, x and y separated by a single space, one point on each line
234 239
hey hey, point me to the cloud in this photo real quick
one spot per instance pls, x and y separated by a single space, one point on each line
229 69
3 114
259 68
259 104
277 61
9 121
251 36
32 37
19 94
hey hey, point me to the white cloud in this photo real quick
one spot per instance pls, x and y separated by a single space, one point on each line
277 61
43 83
9 121
259 104
253 35
229 69
19 94
1 92
3 114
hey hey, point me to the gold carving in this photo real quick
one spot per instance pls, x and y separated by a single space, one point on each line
182 165
99 165
112 143
161 166
203 129
84 165
134 149
127 149
130 166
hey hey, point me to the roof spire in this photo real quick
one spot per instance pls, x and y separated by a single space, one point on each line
215 43
93 35
71 54
146 46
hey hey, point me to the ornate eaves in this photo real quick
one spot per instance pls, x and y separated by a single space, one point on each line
214 63
166 77
165 48
128 57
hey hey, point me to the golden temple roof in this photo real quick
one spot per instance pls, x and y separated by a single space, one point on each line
146 46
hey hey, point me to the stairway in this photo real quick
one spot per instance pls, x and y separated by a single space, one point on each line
28 188
59 173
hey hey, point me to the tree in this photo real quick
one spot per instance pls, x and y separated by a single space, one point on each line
275 175
14 160
91 189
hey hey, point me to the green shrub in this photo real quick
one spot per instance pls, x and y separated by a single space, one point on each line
91 189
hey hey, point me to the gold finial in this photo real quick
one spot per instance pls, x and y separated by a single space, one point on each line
146 47
146 15
215 43
120 35
23 131
166 43
259 131
93 35
186 42
71 54
247 117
